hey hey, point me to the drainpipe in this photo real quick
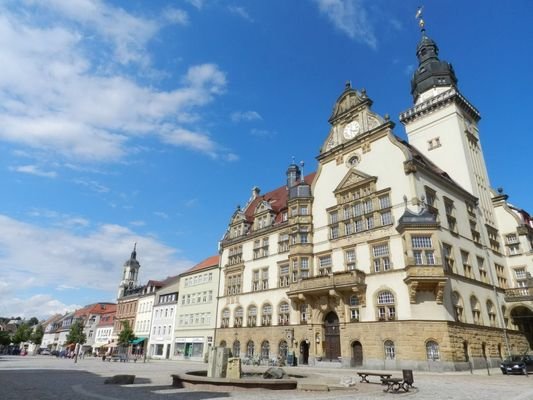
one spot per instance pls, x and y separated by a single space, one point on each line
498 304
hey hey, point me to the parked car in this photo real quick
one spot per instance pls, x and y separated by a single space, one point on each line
45 352
517 364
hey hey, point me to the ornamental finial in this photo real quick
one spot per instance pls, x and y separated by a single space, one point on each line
419 16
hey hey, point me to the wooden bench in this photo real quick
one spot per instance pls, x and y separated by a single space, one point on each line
382 375
396 384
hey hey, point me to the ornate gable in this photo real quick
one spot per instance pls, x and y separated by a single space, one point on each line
262 207
353 179
351 118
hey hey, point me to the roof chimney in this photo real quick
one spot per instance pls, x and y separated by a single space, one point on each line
255 192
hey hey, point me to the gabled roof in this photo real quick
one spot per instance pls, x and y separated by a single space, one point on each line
96 308
207 263
277 199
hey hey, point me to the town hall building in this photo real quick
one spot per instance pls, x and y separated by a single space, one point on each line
393 254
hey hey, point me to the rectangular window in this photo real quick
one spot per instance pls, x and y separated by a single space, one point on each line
333 217
384 202
449 260
386 218
358 225
324 265
358 209
334 232
349 256
368 206
370 222
348 228
284 275
380 253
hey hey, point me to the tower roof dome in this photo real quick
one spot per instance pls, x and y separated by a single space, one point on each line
431 72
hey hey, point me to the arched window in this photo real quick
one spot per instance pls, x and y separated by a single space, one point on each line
266 317
252 316
265 350
225 318
354 308
239 314
250 349
283 316
236 349
390 352
458 306
432 350
386 308
282 350
491 311
476 310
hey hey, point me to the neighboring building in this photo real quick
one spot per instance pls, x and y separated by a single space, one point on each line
163 317
196 313
89 316
61 333
103 336
49 327
390 255
143 319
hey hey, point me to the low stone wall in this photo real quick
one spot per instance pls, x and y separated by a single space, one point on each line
199 381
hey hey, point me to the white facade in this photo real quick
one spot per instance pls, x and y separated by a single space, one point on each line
163 321
195 319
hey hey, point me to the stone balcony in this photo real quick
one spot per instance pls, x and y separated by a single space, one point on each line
349 281
425 278
519 294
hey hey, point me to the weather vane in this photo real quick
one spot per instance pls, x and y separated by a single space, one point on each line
420 19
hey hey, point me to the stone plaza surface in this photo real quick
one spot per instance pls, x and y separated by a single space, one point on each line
45 377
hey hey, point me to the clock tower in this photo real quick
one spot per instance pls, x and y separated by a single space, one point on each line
443 125
351 119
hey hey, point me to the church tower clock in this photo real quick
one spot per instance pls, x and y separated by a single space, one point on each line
443 124
130 273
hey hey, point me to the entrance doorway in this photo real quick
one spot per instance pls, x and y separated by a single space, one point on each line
304 352
522 317
357 354
333 338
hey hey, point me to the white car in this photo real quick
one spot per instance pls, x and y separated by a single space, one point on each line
45 352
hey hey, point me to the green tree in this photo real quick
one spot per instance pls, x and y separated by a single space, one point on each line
33 321
76 335
5 339
126 335
22 334
37 335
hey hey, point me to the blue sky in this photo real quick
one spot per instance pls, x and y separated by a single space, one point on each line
149 121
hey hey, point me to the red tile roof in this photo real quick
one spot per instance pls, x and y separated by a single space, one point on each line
277 199
207 263
97 308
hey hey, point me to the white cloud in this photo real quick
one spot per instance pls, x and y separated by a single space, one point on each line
56 96
351 18
92 185
196 3
34 170
241 12
128 33
239 116
176 16
263 133
40 306
161 214
37 259
137 223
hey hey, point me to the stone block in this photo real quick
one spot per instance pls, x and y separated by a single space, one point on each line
234 368
120 380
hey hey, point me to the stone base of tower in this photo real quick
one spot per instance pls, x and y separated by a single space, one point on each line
417 345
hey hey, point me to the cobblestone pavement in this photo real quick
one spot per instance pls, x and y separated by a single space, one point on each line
47 378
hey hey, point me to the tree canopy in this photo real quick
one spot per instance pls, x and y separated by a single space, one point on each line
22 334
5 339
126 335
76 335
37 335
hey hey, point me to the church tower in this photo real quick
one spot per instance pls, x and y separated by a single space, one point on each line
443 125
130 273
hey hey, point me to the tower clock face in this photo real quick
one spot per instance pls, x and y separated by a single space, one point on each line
351 130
